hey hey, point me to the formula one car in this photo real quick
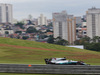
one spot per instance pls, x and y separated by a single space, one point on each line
63 61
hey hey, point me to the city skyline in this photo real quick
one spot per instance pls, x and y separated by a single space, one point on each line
23 8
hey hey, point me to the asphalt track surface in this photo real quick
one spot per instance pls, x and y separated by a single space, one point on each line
49 69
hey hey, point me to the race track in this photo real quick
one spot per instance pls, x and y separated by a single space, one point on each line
49 69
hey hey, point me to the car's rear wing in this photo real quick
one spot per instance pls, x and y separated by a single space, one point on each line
46 61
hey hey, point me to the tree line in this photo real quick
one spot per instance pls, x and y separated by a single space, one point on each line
58 41
89 43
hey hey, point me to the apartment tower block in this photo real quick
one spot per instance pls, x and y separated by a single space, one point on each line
42 20
6 15
64 26
93 22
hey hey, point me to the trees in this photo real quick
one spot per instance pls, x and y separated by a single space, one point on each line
90 44
83 41
20 24
96 39
50 40
86 39
6 33
93 46
20 32
31 30
96 47
61 42
58 41
25 37
77 42
43 36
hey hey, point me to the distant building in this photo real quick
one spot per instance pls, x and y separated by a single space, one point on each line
84 29
15 21
42 20
84 18
6 15
93 22
6 31
64 26
35 21
49 33
49 21
78 21
81 31
84 32
24 21
84 24
30 17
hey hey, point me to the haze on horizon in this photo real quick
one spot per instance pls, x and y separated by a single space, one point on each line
23 8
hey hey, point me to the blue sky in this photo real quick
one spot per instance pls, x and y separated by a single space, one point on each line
22 8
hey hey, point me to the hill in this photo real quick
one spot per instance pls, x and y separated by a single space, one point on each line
30 52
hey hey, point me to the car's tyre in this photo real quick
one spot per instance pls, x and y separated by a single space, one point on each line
78 63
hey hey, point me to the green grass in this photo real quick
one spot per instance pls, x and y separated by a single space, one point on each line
35 52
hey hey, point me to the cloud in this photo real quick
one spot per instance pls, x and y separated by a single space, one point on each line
20 1
13 1
22 8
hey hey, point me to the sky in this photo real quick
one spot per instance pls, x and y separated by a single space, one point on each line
23 8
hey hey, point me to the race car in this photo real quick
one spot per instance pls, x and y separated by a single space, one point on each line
63 61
